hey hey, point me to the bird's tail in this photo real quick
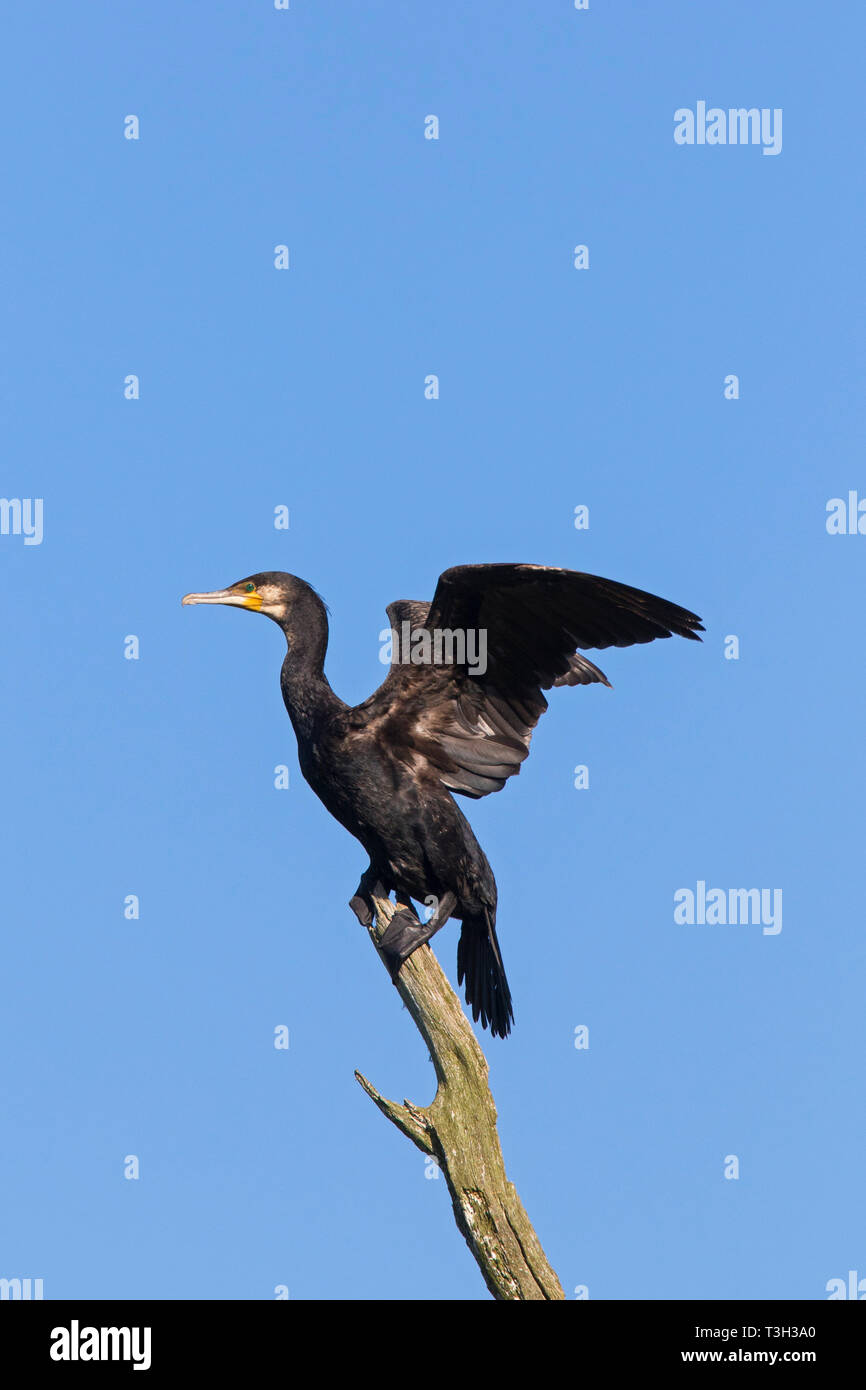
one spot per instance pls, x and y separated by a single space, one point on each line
479 960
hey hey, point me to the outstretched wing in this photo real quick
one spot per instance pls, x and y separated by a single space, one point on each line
508 633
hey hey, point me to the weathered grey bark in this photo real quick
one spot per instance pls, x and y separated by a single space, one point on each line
458 1129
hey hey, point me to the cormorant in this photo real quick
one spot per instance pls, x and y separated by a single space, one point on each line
443 721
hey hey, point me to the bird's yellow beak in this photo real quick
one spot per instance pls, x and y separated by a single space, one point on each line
236 598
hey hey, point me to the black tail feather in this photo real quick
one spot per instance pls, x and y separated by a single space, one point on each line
479 961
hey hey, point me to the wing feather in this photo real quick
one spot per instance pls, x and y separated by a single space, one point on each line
472 729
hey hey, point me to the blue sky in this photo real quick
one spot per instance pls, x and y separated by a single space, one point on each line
305 388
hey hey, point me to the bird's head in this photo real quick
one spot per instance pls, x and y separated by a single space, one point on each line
272 593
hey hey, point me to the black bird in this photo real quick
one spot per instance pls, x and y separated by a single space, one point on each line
455 714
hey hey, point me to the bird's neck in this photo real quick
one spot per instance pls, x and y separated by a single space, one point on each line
308 697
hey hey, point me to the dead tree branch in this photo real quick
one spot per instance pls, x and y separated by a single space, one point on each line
458 1129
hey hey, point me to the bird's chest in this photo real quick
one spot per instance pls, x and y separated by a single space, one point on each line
361 789
328 769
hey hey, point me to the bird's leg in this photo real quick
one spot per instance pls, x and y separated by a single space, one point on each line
405 933
370 887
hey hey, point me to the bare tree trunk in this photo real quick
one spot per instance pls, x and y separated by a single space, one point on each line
458 1129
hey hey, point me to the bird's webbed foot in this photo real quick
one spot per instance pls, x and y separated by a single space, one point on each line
361 903
363 909
405 933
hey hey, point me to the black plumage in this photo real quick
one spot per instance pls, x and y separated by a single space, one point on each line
387 768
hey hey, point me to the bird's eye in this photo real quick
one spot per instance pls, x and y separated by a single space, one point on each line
249 588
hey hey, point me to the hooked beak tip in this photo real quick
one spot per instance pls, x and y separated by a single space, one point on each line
218 596
230 597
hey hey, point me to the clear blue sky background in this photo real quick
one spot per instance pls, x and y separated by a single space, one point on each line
305 388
